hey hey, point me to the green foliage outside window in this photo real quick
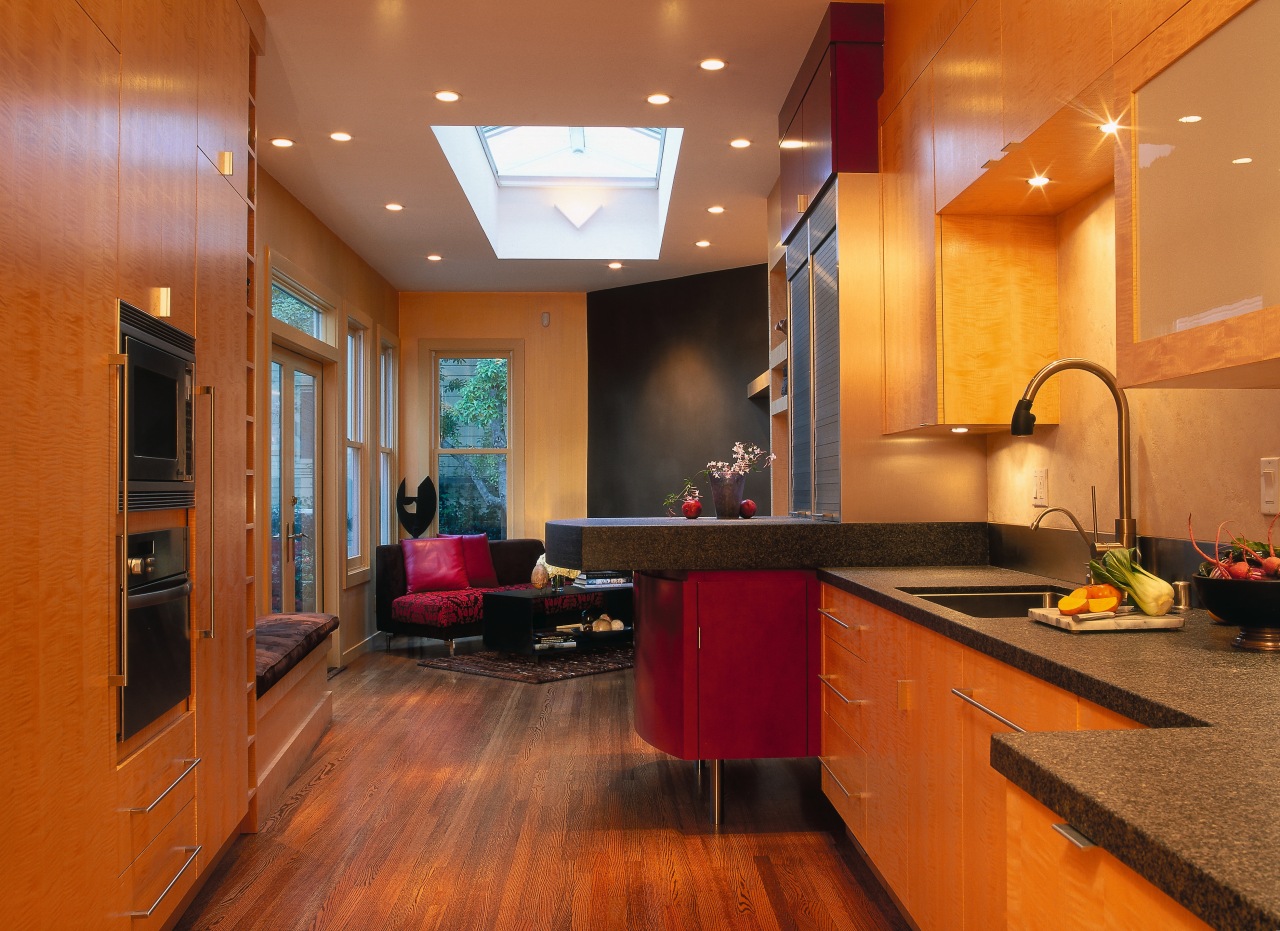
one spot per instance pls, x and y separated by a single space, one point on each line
473 416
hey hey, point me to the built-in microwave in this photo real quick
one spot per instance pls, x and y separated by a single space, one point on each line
156 400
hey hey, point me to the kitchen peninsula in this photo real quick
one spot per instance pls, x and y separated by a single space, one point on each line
1183 801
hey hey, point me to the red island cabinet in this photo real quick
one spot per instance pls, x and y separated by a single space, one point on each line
727 666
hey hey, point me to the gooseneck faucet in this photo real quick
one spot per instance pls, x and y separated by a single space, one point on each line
1023 424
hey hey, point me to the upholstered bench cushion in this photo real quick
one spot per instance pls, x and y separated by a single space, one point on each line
283 640
444 609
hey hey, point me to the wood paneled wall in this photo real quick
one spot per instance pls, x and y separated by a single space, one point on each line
551 480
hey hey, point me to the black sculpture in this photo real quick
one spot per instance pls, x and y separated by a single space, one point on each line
417 521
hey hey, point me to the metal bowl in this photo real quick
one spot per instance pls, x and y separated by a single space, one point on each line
1253 605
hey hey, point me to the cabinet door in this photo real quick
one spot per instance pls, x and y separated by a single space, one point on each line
1055 885
968 114
59 135
221 679
816 111
791 176
1031 704
800 387
910 320
158 157
223 102
825 263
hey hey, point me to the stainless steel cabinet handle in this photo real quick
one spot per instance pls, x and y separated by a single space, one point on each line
836 780
835 620
1074 836
967 696
212 518
839 694
161 797
122 361
195 852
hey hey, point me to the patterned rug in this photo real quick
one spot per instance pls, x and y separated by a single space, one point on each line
538 669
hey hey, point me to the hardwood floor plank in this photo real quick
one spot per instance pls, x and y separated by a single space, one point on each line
438 800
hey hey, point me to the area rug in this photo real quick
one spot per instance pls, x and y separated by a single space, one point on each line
539 669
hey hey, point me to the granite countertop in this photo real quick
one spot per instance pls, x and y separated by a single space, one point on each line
1187 803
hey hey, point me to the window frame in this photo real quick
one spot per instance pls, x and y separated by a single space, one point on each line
357 405
388 406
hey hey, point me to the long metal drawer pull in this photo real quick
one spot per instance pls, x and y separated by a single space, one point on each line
831 617
183 775
836 780
195 852
844 698
212 632
967 695
1074 836
121 360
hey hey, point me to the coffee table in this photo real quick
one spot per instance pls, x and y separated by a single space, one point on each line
524 620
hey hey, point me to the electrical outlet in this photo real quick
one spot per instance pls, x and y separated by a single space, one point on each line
1040 488
1268 468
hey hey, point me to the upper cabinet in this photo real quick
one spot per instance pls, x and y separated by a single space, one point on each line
1198 201
223 90
828 122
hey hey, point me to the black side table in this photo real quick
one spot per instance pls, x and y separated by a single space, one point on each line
524 620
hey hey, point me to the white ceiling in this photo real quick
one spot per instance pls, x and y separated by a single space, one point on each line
372 67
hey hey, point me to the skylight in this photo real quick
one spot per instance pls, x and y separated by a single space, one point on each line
543 156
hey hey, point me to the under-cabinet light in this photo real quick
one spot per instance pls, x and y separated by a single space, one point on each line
1038 181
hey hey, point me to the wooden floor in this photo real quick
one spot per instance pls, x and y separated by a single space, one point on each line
439 800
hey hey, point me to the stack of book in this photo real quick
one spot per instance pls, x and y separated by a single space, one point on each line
603 577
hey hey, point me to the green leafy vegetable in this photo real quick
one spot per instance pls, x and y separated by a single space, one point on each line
1152 594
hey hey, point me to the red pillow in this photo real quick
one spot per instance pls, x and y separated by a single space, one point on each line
434 565
478 559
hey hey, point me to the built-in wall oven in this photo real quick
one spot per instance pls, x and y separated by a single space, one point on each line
156 401
155 641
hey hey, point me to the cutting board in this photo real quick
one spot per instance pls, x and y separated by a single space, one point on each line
1104 620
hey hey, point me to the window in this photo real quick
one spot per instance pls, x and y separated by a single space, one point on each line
471 443
357 480
386 443
288 305
618 156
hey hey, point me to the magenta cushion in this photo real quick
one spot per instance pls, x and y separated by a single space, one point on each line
476 557
435 564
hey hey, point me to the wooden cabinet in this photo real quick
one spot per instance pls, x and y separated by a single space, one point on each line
968 111
59 134
159 55
1055 884
219 556
726 663
828 122
223 90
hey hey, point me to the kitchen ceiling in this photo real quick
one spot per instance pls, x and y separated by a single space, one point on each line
372 69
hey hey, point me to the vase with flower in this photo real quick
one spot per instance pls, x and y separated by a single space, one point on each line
728 479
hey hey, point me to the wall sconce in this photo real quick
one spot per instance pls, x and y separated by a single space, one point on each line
226 163
546 318
160 302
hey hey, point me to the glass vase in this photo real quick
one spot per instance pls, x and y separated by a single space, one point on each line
726 493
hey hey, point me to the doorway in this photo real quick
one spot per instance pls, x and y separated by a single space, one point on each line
294 482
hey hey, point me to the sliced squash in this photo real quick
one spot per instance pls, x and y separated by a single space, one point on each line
1073 604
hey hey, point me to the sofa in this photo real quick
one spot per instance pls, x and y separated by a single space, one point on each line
450 613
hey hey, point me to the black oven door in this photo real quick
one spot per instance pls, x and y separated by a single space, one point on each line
159 653
159 398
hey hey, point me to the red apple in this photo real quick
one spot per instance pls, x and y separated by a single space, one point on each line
748 508
691 508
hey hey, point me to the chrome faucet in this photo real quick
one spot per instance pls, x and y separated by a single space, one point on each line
1023 424
1096 547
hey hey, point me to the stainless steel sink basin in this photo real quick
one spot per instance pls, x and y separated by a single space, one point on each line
976 603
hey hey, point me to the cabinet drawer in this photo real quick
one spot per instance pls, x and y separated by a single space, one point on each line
1030 703
844 688
837 609
154 785
844 776
162 874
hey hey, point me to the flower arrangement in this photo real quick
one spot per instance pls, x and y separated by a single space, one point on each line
747 457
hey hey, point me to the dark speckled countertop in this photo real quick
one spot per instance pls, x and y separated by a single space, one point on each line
1189 804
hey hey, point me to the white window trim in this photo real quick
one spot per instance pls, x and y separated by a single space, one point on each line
388 439
357 568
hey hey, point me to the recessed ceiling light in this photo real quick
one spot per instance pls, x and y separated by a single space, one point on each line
740 143
615 264
658 99
716 209
711 64
791 144
702 243
281 143
1038 181
395 207
1190 119
340 137
959 429
448 96
1111 128
1241 161
433 258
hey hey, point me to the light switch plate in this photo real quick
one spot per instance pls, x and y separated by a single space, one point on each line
1270 484
1040 488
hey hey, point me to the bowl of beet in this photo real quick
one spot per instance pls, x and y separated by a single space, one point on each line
1251 604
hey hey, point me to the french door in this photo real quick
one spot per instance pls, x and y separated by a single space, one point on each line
295 483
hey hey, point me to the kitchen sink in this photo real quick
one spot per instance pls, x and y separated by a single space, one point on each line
977 603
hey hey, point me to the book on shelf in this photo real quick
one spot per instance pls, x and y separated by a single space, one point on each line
603 577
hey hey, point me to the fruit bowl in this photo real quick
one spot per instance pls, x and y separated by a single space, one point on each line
1253 605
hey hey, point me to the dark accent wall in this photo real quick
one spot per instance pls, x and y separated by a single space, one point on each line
668 364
